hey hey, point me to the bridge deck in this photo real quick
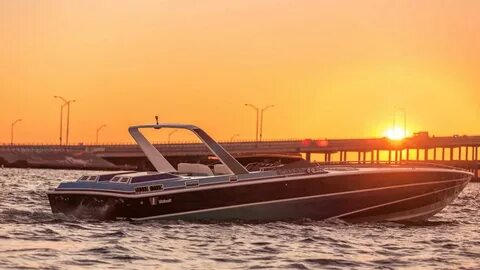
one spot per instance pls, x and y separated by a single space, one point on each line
459 151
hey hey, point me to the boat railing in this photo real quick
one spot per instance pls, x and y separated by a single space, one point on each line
354 164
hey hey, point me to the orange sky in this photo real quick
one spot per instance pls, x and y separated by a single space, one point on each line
333 69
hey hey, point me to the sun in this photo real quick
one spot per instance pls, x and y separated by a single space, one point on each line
395 134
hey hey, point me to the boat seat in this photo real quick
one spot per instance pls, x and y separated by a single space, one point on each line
194 169
221 169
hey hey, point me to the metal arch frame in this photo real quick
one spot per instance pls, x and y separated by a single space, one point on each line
161 164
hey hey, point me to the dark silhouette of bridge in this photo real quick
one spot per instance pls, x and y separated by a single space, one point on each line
456 151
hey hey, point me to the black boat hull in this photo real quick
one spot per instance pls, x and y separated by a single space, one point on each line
395 196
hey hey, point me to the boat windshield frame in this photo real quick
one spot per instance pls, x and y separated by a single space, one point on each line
161 164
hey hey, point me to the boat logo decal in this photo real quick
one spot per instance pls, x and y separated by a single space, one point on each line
164 201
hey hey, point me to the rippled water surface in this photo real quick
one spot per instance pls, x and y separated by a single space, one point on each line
32 237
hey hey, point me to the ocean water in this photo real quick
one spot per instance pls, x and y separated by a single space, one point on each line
31 237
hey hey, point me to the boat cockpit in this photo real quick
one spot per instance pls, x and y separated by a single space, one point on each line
185 170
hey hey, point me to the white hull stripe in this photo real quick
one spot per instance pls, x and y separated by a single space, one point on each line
393 202
295 199
419 214
146 195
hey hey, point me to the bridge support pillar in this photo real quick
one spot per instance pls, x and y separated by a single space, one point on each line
466 153
475 167
451 153
435 153
377 156
389 156
372 157
308 156
425 156
443 153
407 154
418 154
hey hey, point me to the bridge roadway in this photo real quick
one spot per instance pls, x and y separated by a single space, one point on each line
278 146
459 151
457 148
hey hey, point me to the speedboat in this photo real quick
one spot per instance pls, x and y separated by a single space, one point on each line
231 192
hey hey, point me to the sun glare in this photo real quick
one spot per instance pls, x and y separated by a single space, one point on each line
395 134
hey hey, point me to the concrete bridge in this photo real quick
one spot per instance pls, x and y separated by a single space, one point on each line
459 151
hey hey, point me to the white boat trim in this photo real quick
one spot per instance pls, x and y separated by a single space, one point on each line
269 179
158 161
419 214
162 165
292 199
135 196
390 203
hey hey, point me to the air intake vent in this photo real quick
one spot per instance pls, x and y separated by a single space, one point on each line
141 189
156 188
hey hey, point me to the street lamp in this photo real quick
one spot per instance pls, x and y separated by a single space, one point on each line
65 103
261 119
98 131
170 134
11 129
234 136
258 112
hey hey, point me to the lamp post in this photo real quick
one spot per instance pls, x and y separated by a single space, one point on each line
170 134
11 129
68 120
98 131
234 136
261 119
258 114
61 122
65 103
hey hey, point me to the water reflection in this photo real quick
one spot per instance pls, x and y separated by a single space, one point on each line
31 237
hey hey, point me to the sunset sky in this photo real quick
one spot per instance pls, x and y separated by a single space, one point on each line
333 69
